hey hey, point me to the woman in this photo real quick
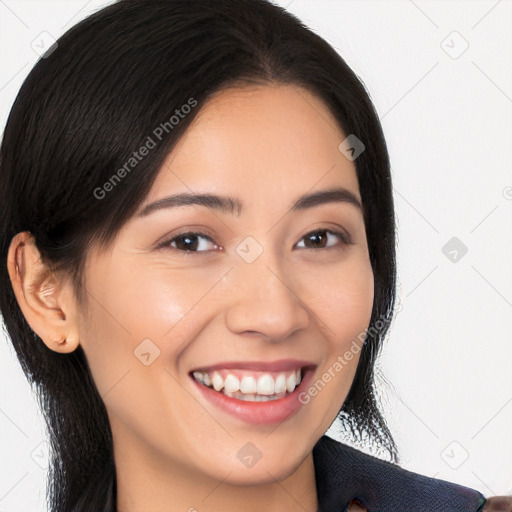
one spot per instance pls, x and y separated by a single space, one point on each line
199 265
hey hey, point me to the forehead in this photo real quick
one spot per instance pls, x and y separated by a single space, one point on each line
281 141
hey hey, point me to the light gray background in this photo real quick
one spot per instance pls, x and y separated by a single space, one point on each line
447 116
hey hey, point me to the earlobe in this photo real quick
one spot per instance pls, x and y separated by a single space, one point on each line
44 299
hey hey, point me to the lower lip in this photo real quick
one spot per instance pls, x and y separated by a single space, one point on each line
258 413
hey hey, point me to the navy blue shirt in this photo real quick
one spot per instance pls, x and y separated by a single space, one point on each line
343 473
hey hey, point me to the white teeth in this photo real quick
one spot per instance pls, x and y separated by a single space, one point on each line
253 397
290 382
280 384
248 385
265 385
217 381
249 388
231 384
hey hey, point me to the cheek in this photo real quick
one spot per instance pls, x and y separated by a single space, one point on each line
343 301
350 315
171 309
342 296
138 310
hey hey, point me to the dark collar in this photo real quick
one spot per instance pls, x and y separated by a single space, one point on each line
343 473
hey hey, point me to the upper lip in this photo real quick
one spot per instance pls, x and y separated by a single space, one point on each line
269 366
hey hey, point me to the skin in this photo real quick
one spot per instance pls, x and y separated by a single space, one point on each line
266 145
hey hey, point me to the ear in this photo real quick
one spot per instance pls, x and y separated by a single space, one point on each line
47 301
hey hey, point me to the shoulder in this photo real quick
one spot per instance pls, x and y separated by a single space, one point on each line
344 473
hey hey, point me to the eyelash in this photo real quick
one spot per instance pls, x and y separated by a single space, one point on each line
344 237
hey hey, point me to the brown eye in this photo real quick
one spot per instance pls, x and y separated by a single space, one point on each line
321 239
189 241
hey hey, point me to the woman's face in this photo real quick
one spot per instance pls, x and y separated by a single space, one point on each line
253 292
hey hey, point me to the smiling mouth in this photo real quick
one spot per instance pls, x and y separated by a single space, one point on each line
250 386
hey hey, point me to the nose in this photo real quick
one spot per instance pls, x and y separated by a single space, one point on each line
266 301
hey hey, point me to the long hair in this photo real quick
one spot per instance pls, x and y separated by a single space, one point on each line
82 112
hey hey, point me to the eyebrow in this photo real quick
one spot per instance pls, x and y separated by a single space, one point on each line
227 204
